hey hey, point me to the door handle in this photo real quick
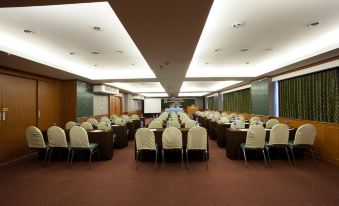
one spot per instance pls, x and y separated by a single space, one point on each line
39 114
3 115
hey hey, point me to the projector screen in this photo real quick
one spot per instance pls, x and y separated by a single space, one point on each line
152 105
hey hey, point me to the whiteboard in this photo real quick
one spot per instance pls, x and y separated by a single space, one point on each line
152 105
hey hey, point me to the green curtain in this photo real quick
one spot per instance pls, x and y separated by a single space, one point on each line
238 101
313 97
210 101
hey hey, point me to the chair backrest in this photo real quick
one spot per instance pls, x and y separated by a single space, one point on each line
34 137
223 120
118 121
104 126
185 120
145 139
175 124
126 118
255 137
256 122
190 124
134 117
92 121
240 124
56 137
270 123
103 118
86 125
254 119
113 116
210 116
79 137
197 138
216 118
279 134
155 124
305 134
171 138
70 124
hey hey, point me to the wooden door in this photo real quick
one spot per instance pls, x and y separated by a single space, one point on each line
111 105
118 106
48 104
19 111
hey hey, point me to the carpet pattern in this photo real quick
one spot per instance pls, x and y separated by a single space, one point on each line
116 182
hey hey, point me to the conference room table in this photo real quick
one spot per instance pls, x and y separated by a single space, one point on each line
234 137
220 131
164 125
131 130
193 155
121 134
104 139
211 129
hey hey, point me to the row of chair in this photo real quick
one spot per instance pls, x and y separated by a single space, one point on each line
57 140
279 138
171 140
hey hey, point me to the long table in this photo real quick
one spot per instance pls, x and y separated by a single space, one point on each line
104 139
121 132
235 137
220 130
193 155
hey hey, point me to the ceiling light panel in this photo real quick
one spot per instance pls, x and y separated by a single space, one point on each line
137 87
192 94
154 94
280 24
59 29
205 86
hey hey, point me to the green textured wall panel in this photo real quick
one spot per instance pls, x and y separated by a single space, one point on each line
84 99
260 97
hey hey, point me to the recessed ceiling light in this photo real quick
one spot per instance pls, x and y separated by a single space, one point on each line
235 25
95 52
120 51
244 49
247 62
28 31
97 28
269 49
133 64
95 65
206 63
217 50
312 24
71 53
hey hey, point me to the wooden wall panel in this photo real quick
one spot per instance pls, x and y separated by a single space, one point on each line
111 107
118 106
19 97
68 101
326 144
48 104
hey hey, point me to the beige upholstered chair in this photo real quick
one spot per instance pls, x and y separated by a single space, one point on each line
223 120
197 140
145 140
134 117
57 140
184 120
113 116
79 141
35 140
70 124
239 124
256 122
92 121
190 124
155 124
210 116
86 126
255 140
304 138
278 139
172 140
104 126
118 121
126 118
270 123
175 124
254 119
103 118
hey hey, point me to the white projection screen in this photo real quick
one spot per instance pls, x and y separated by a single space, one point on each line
152 105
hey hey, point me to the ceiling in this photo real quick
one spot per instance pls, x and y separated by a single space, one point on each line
191 47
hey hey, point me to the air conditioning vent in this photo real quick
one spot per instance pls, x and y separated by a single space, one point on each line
103 89
138 97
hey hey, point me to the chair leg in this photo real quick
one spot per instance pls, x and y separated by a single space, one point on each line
206 159
312 155
186 157
47 153
90 159
288 156
156 158
72 157
50 154
136 160
68 155
182 157
163 157
243 150
263 152
293 156
269 157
